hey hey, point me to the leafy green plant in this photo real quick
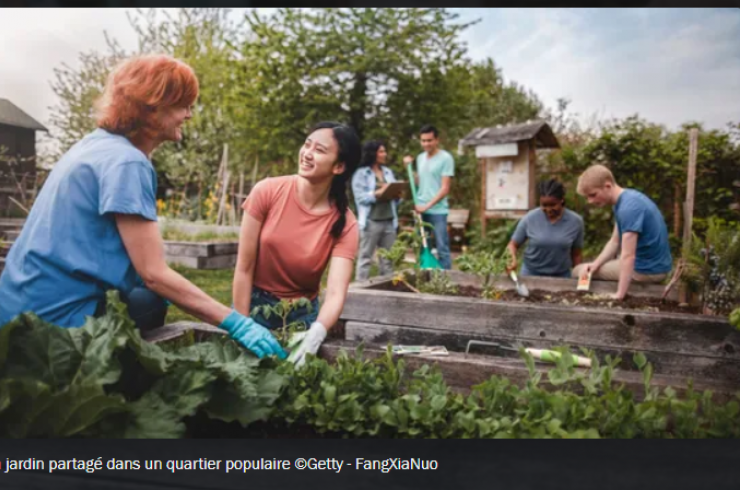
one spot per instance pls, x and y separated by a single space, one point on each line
438 282
713 267
735 318
359 397
283 309
103 380
397 253
487 265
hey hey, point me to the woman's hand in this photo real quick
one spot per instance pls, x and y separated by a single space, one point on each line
512 264
252 335
310 344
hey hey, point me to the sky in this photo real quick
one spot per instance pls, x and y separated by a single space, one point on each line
670 66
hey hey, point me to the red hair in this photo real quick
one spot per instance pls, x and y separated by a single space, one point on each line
137 88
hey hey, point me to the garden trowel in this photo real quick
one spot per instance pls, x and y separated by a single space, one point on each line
521 288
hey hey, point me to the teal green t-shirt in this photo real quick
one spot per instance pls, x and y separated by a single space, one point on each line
431 171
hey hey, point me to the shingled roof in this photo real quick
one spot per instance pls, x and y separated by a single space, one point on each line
540 130
11 115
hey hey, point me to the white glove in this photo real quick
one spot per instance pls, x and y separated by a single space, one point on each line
310 344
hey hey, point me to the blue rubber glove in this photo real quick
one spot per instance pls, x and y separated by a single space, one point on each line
252 335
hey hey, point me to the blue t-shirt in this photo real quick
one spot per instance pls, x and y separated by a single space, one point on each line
69 252
635 212
549 245
431 171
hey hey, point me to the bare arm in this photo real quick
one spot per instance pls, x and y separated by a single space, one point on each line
245 263
626 263
443 191
340 273
145 248
512 247
609 251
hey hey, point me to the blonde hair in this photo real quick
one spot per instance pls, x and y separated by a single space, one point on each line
595 177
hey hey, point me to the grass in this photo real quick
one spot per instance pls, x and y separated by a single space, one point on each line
216 283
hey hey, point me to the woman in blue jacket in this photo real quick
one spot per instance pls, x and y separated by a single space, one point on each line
377 218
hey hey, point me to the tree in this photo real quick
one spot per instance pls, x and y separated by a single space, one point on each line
345 64
77 89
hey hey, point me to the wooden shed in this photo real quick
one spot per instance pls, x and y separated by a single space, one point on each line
17 155
17 139
507 156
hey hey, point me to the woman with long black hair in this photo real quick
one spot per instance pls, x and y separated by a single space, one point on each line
377 217
293 228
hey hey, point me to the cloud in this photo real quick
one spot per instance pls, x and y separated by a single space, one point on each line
669 65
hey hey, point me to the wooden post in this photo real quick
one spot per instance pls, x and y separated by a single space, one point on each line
689 205
484 176
225 186
532 164
677 210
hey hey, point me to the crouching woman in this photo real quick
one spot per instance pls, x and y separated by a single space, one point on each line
93 226
293 228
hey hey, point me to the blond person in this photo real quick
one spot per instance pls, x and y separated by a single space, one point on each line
640 234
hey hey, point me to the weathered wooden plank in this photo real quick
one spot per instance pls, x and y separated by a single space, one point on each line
683 365
462 372
189 249
545 283
216 262
225 248
622 329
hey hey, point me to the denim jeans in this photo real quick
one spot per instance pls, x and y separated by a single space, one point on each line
441 238
261 297
146 308
526 272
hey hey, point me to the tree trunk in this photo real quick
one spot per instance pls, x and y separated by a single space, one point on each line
358 104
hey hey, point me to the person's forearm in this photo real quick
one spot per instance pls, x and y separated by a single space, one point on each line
189 298
440 195
610 250
242 291
626 270
331 309
512 249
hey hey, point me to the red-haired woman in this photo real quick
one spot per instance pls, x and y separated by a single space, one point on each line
94 228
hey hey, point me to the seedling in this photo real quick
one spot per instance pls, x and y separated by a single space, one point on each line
283 309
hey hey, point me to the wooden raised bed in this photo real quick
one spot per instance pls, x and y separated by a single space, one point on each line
461 371
202 255
679 345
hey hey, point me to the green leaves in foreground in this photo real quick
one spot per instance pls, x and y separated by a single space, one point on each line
103 380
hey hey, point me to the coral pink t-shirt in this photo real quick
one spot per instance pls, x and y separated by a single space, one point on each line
295 244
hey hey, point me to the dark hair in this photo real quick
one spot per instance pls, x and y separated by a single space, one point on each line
370 153
552 188
349 154
428 128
